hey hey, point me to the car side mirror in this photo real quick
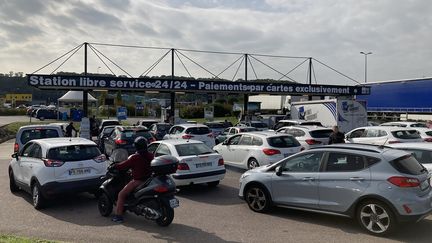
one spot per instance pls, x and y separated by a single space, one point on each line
279 170
15 156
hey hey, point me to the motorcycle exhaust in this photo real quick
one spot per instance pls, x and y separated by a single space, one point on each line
147 212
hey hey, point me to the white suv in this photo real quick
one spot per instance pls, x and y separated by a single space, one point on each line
383 135
46 167
192 131
308 136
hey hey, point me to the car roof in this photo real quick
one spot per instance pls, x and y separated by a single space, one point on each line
297 120
386 151
387 128
63 141
134 128
109 120
187 125
401 122
423 145
178 141
308 128
39 126
149 120
266 134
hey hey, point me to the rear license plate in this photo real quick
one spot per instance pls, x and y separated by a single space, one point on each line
174 203
201 165
79 171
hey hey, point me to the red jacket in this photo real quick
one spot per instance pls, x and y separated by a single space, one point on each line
140 165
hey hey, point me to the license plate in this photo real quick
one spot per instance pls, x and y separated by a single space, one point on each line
201 165
79 171
174 203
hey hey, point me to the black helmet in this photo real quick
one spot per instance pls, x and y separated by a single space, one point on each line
140 144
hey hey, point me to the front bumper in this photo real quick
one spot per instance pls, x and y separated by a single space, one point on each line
55 188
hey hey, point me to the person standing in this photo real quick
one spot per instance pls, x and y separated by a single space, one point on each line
69 129
336 136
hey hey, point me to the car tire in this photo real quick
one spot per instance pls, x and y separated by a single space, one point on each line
38 199
376 217
12 183
257 198
213 184
105 205
252 163
167 216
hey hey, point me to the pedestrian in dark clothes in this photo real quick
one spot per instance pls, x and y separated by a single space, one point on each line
336 136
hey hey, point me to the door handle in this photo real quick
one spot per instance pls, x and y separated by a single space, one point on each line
356 179
308 179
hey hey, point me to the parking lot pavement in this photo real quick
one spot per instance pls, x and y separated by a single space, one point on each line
204 215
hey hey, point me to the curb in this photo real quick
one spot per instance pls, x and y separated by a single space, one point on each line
9 137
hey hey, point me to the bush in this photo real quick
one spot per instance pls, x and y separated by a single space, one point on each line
192 112
12 112
222 110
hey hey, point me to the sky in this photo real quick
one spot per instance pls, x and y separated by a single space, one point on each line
334 32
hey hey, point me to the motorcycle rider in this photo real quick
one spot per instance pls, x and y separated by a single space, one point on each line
141 170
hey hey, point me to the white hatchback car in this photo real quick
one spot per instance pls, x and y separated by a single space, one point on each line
192 131
47 167
383 135
421 151
250 150
425 133
309 136
198 163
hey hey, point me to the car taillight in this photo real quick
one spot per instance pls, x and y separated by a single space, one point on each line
16 147
312 141
221 162
402 181
161 189
428 140
271 151
187 136
99 159
120 142
395 141
182 166
53 163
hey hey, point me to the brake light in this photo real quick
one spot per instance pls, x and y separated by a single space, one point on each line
187 136
16 147
120 142
271 151
53 163
391 142
221 162
312 141
183 166
401 181
161 189
99 159
428 140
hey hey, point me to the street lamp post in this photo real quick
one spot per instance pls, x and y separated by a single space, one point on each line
365 55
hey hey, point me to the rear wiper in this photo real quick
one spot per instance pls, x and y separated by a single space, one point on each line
424 170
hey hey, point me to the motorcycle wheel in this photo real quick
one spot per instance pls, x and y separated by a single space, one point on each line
105 205
167 216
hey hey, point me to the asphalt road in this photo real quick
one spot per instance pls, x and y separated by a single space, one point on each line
204 215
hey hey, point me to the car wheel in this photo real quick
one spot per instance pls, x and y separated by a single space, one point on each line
167 216
12 183
257 199
105 205
252 163
213 183
376 218
38 198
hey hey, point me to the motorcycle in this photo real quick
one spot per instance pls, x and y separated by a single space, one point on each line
154 199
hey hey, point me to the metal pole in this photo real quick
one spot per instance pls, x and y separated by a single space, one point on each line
85 92
366 68
172 110
246 96
310 76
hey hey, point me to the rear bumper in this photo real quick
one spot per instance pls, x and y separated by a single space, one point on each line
413 218
55 188
197 178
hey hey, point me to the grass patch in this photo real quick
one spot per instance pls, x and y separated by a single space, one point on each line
13 127
17 239
232 119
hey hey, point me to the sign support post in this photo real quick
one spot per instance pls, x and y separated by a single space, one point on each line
85 91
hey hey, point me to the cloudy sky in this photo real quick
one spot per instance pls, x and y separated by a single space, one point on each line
398 32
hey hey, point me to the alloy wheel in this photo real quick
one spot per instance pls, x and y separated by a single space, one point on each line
375 218
256 199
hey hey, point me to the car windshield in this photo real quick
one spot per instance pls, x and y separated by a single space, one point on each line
408 165
321 133
311 123
283 142
258 125
132 134
163 127
193 149
108 130
406 134
248 129
73 153
111 123
215 125
38 133
198 130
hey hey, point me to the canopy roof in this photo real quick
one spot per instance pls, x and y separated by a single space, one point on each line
75 96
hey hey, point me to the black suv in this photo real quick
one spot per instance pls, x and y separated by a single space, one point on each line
122 137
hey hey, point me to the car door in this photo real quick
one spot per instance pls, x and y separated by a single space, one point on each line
355 136
244 148
21 161
374 136
344 179
228 150
298 183
31 163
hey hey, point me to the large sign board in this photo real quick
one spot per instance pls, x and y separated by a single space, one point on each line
178 85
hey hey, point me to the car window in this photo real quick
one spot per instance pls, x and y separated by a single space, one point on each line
245 140
429 133
36 151
418 125
408 165
152 147
73 153
422 156
321 133
357 133
257 141
162 150
38 133
283 142
406 134
234 140
372 133
113 134
344 162
193 149
26 150
299 133
382 133
198 130
309 162
226 131
108 130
